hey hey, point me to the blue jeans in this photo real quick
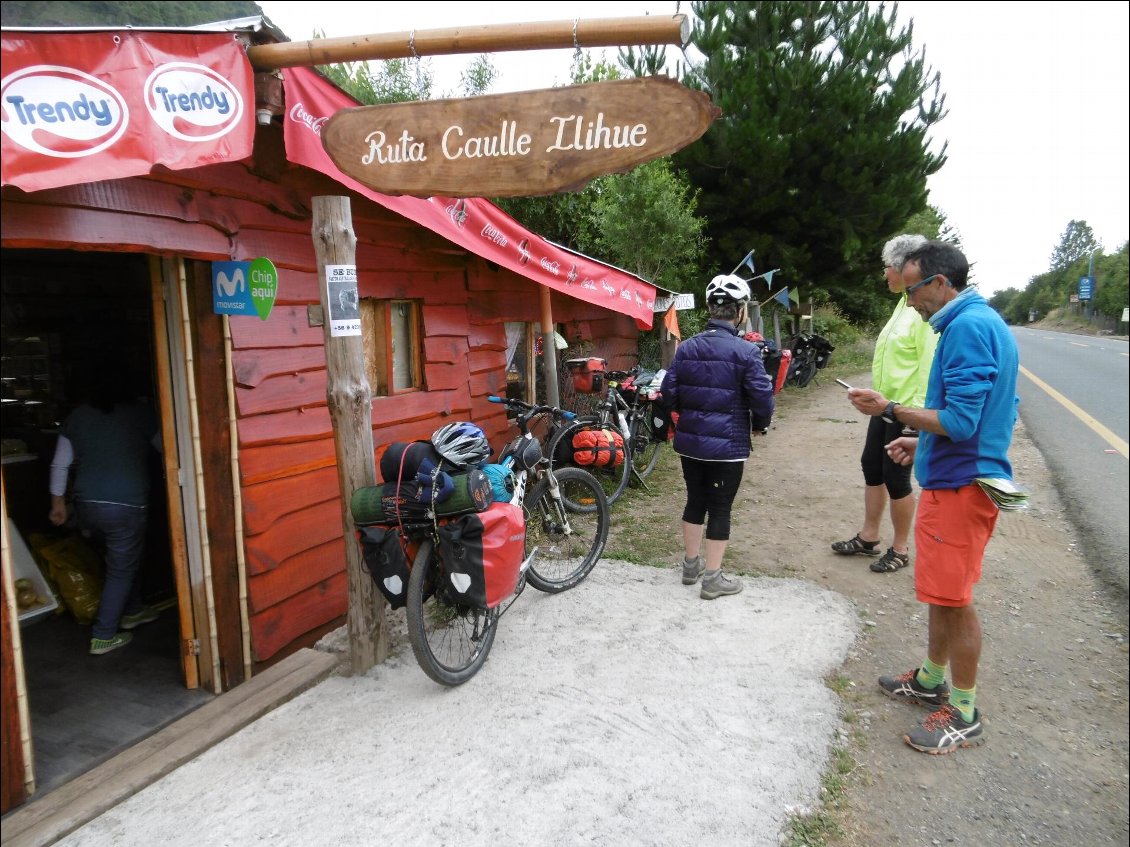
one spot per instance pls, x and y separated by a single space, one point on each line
122 530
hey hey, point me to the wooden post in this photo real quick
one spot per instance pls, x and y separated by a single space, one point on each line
667 345
549 350
351 412
484 38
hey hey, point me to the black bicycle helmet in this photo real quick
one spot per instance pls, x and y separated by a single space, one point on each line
462 443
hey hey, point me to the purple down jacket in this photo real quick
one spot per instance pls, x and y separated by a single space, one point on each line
718 385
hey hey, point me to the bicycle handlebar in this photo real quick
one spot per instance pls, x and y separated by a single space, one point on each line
530 409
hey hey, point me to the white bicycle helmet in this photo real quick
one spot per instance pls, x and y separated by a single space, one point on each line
461 443
727 288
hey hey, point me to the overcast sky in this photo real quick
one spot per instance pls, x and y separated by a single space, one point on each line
1038 100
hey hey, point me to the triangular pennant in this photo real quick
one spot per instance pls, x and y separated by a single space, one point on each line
671 322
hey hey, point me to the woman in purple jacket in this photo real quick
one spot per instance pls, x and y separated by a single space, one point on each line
718 386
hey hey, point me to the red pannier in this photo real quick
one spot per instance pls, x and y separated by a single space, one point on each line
598 448
587 374
482 555
782 370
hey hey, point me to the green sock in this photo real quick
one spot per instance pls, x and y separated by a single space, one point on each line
963 700
931 675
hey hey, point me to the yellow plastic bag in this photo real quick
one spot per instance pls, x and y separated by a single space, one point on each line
75 569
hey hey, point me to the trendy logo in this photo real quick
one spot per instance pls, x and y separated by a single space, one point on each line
192 102
61 112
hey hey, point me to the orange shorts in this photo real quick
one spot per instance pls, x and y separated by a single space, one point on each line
951 530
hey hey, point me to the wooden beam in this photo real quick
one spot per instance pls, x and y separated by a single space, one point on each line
485 38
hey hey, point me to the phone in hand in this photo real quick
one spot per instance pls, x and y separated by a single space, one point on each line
841 382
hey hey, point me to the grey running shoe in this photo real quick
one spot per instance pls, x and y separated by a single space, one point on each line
905 687
945 730
692 570
717 584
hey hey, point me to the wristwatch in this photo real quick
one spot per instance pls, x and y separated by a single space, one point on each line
889 412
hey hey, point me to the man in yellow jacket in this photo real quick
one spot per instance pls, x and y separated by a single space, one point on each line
900 370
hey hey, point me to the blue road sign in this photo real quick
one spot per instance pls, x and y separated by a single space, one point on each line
1086 286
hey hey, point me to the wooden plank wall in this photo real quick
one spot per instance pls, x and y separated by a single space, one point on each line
292 516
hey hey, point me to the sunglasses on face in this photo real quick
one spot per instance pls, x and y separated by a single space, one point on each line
918 285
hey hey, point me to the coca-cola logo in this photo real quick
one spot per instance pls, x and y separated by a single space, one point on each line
192 102
61 112
314 123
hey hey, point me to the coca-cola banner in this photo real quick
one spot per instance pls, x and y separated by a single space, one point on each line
472 222
88 106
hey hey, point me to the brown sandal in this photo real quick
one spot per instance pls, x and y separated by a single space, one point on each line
856 545
891 562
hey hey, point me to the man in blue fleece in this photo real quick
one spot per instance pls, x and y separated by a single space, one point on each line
965 432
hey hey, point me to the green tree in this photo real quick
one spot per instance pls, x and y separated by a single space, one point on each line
388 81
932 223
1077 241
1112 291
821 151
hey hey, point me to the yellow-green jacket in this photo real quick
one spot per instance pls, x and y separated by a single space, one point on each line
903 355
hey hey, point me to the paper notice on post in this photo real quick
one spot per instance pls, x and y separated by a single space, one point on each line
1008 496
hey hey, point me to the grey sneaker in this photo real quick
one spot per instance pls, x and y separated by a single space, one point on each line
692 570
905 687
945 731
717 584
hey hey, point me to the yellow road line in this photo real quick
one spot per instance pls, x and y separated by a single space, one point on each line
1105 434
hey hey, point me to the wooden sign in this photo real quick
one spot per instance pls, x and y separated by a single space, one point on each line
523 144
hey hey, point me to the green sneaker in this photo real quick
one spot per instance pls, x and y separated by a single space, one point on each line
99 646
147 615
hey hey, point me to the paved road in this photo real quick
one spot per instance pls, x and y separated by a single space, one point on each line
1074 401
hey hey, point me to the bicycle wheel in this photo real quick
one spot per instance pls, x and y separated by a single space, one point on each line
805 372
451 641
566 540
613 479
645 449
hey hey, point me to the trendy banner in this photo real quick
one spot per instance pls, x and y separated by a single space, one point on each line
84 107
471 222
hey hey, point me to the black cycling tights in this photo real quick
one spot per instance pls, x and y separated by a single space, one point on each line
711 488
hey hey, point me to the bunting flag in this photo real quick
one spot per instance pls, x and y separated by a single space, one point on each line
671 322
783 297
794 295
768 276
748 262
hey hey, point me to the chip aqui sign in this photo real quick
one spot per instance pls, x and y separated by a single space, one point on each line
244 288
507 145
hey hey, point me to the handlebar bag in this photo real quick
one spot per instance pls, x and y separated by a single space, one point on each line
598 448
482 554
382 550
